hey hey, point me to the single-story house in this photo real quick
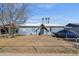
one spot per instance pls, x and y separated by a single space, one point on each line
45 29
4 29
74 27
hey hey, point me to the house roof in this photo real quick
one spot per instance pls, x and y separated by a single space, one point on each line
73 25
38 24
9 25
42 26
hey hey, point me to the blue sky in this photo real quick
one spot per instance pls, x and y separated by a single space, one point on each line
58 13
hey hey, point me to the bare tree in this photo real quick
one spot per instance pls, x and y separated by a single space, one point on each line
2 15
13 14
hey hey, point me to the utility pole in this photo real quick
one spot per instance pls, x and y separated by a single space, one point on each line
42 20
48 20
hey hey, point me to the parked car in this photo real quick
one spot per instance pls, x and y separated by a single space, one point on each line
69 35
66 34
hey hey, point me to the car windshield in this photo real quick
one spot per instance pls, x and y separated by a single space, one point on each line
68 33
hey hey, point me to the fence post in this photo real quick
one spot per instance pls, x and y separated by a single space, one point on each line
0 30
76 44
66 37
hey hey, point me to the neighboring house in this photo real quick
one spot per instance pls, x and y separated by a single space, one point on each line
74 27
7 27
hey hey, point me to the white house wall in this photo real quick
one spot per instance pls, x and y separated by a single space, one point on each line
31 31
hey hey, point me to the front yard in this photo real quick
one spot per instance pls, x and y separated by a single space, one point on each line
36 44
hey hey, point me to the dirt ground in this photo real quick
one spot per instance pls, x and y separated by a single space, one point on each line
36 44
